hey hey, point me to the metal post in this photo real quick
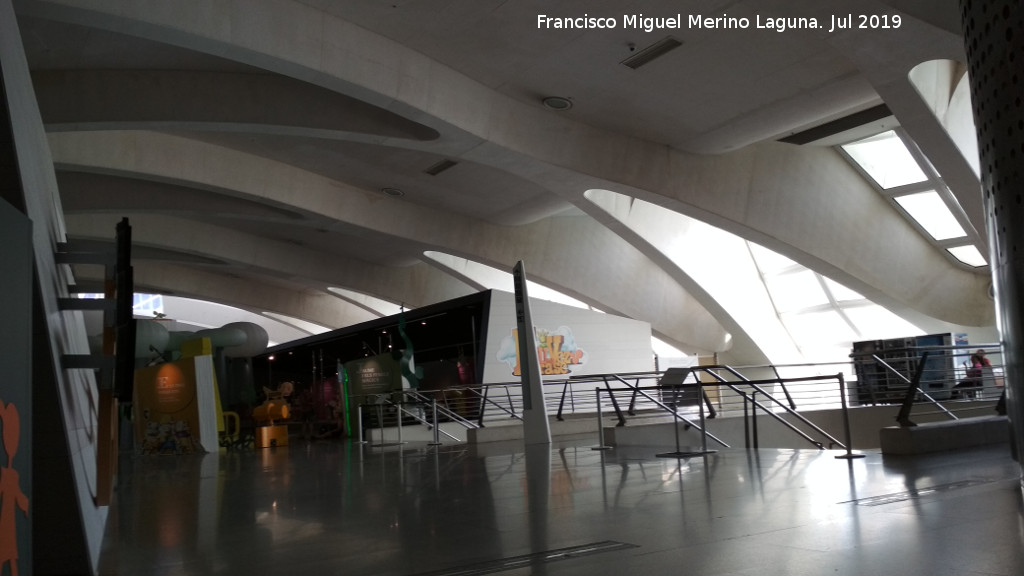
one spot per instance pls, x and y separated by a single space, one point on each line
703 423
483 406
600 423
746 421
846 421
359 421
380 421
903 418
753 418
703 432
437 438
561 403
675 420
398 414
615 403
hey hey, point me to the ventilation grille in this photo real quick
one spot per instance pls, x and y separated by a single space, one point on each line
839 126
652 52
528 561
440 167
916 493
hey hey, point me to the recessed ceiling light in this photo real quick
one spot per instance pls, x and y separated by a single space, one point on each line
392 192
557 103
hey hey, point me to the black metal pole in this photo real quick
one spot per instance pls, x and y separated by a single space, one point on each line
846 421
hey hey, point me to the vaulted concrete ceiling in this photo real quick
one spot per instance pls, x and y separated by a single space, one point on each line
249 144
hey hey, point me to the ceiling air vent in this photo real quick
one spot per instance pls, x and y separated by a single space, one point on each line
656 50
839 126
440 167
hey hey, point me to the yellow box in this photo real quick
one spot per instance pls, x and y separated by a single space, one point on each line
197 347
270 436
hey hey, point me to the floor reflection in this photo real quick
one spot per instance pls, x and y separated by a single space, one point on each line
341 507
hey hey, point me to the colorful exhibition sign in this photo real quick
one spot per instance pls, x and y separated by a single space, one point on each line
556 350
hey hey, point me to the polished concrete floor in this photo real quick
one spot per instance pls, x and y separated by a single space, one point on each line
336 507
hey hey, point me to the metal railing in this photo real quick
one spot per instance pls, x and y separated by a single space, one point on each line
911 378
750 389
402 407
937 377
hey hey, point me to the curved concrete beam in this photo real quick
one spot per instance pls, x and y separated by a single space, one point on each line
562 251
298 40
416 285
736 191
190 282
168 98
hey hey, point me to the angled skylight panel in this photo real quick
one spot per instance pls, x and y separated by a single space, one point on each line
886 159
969 255
795 291
147 304
875 322
928 209
771 262
825 328
841 293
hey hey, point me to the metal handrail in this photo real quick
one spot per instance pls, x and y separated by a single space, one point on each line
756 385
567 389
424 421
913 391
444 410
785 390
672 411
914 388
485 401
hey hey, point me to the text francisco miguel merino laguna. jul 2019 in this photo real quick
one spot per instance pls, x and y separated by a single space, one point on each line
832 23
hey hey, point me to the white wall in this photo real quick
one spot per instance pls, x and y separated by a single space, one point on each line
610 344
66 330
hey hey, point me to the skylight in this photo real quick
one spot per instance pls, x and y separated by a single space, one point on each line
795 290
918 190
886 159
142 304
968 254
793 313
931 212
841 293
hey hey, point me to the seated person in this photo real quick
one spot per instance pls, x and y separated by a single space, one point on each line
974 373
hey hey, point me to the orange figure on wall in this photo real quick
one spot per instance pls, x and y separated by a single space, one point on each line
10 489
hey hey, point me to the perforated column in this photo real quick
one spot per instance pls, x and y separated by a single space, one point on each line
994 38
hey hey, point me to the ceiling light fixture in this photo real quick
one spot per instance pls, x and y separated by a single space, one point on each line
557 103
394 192
656 50
440 167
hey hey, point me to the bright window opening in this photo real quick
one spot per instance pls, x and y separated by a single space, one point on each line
969 255
886 159
796 291
794 313
841 293
928 209
142 304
